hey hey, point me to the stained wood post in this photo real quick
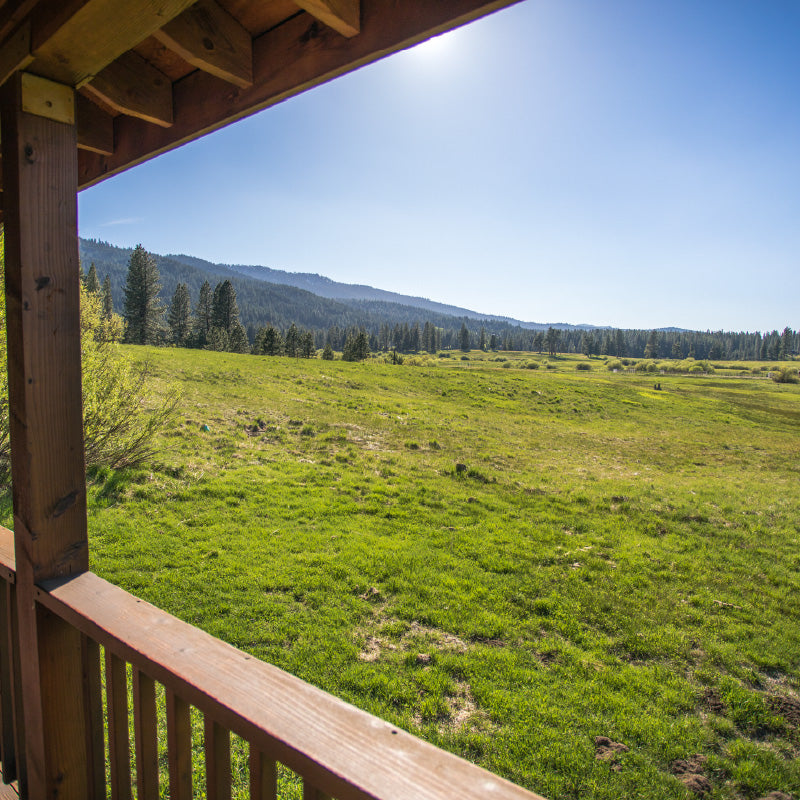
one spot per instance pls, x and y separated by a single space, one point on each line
40 178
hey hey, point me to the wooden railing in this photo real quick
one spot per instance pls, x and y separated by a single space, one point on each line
336 750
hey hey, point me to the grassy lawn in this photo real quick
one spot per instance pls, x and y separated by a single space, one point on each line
508 562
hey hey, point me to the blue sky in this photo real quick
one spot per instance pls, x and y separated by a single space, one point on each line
631 163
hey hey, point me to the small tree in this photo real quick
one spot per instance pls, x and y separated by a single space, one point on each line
464 338
179 315
292 343
107 299
237 339
327 352
225 310
91 281
203 315
143 310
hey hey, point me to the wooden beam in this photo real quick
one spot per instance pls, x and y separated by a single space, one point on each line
46 422
15 52
343 16
287 60
209 38
95 127
132 86
74 40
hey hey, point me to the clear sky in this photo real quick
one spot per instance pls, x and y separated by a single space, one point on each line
633 163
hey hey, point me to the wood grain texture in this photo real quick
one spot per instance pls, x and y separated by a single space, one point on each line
8 745
74 40
263 776
95 127
118 737
287 60
343 16
132 86
179 746
48 99
218 761
19 716
46 422
209 38
93 711
15 52
61 666
341 750
145 725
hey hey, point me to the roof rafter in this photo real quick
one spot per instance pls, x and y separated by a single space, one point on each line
209 38
105 30
132 86
343 16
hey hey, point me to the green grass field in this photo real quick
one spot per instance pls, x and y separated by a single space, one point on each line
611 559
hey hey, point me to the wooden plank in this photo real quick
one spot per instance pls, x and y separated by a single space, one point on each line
48 99
212 40
312 793
8 747
8 563
15 52
263 776
287 60
74 40
145 723
343 16
93 710
218 761
119 754
95 127
61 666
46 422
340 749
132 86
179 746
19 716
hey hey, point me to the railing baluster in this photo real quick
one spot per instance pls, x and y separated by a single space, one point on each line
118 736
218 761
16 688
179 747
93 709
263 776
312 793
145 726
8 753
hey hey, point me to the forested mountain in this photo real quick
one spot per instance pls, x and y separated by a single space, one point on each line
407 327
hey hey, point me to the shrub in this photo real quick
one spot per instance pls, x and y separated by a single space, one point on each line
119 431
532 365
786 375
614 364
583 365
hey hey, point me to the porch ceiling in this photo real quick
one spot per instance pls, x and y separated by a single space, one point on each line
154 74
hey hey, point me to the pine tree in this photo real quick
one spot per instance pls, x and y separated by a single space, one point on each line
677 350
237 339
292 341
327 352
225 311
107 300
91 281
482 342
179 315
143 309
651 348
307 348
203 314
464 339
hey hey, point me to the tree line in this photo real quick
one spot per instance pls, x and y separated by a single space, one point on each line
213 322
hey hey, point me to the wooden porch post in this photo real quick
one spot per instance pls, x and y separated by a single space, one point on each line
39 148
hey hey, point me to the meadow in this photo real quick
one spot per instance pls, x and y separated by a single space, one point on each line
507 560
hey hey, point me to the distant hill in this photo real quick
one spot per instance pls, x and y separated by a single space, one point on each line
267 295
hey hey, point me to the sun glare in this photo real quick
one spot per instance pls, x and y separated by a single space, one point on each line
437 47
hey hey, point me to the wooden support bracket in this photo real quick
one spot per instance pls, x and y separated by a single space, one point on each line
209 38
48 99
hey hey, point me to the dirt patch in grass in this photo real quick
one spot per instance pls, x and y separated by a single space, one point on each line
689 771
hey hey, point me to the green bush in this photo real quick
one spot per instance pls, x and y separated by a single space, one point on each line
119 430
786 375
614 364
583 365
